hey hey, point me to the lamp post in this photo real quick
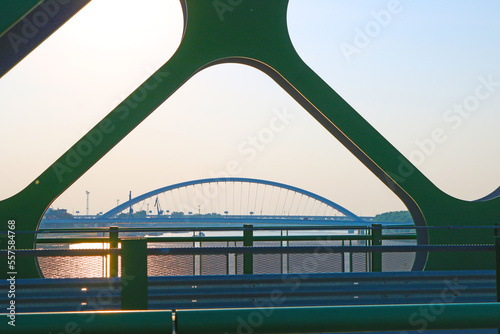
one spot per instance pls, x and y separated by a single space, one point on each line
88 193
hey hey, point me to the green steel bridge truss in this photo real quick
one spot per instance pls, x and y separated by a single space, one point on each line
253 33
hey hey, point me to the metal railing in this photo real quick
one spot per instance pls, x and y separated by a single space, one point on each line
134 252
234 263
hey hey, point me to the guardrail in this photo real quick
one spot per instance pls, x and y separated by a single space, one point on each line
135 295
134 252
108 266
245 291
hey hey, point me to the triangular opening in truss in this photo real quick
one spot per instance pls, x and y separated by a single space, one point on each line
423 74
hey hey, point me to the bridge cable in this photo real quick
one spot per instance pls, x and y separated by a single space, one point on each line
241 198
300 201
270 200
319 207
248 198
166 201
210 195
324 211
197 198
305 205
255 202
286 197
225 190
218 197
278 201
186 203
293 200
312 206
175 202
190 198
181 201
283 209
263 197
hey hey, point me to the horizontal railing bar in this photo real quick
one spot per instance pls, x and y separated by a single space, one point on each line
207 228
185 305
237 238
259 250
318 249
330 297
233 291
265 278
263 228
311 238
399 237
283 278
327 296
232 238
99 240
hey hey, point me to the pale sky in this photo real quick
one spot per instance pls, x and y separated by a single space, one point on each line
406 66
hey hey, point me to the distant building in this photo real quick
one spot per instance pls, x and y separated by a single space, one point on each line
57 214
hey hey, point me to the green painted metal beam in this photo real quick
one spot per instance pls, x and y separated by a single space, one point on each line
25 24
12 11
339 318
497 265
134 278
104 322
113 243
248 242
255 33
376 241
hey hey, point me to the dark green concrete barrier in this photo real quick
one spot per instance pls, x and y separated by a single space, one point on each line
105 322
339 319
